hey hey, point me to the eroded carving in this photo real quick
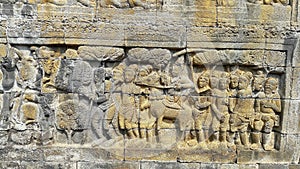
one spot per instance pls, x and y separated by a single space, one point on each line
101 95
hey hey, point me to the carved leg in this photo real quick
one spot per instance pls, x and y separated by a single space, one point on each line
256 137
205 134
158 125
267 142
200 135
223 136
130 134
230 140
151 135
136 132
143 133
244 139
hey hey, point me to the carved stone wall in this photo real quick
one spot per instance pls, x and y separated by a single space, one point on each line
149 84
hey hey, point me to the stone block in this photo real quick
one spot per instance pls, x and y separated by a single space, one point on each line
127 165
250 166
291 117
275 166
156 33
294 166
169 165
47 165
295 83
250 157
9 165
210 166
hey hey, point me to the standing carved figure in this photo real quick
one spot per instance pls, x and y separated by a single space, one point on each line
234 83
111 122
146 120
201 112
215 113
270 106
128 115
223 104
257 123
243 110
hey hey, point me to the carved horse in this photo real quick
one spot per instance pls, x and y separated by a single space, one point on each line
173 110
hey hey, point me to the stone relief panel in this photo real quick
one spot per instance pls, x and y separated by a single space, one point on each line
143 4
151 98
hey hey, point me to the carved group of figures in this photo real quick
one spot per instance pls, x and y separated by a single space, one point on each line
243 108
145 4
49 94
234 108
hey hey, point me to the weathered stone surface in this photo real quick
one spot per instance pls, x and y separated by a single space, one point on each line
48 165
149 84
168 165
275 166
132 165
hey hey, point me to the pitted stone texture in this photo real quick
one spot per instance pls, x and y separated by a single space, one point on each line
128 165
168 165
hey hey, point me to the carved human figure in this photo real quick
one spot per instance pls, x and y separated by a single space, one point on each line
223 107
128 115
270 107
234 83
99 79
50 66
81 77
256 122
215 113
156 98
9 68
111 123
182 87
202 110
243 110
29 71
146 120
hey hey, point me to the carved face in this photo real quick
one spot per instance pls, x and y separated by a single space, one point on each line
214 82
117 75
143 73
270 86
258 83
223 84
203 82
243 83
234 81
129 76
